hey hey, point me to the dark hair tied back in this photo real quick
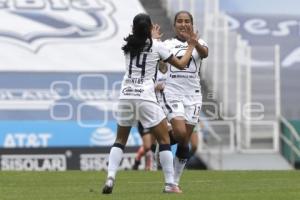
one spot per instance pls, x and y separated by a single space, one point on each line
141 31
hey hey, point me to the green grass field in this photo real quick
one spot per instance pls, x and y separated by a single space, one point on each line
206 185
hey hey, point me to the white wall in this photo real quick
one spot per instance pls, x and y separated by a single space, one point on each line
31 41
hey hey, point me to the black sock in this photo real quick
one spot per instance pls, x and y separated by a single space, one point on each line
164 147
183 152
121 146
153 148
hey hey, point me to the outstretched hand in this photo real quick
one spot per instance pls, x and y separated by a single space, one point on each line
155 32
190 36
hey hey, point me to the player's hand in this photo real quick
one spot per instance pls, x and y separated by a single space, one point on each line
191 36
155 33
194 37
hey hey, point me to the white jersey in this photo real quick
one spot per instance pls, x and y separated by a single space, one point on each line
187 81
161 77
138 81
160 80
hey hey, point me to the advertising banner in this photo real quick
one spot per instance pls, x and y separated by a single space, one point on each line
59 109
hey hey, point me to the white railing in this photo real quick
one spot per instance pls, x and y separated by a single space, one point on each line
216 143
264 126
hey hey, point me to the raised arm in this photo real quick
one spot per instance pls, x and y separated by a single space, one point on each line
192 40
155 32
183 61
202 50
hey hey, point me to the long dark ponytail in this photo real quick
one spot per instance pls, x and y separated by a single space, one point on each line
141 31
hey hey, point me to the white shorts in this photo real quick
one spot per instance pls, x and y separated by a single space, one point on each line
130 111
188 107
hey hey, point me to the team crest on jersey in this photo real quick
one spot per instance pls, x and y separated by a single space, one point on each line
33 24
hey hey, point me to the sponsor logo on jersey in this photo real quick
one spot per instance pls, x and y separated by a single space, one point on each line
132 91
181 46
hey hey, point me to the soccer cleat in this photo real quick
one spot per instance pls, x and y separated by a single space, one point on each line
136 164
109 185
172 188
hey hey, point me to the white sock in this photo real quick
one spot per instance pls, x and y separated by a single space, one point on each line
115 157
179 165
166 161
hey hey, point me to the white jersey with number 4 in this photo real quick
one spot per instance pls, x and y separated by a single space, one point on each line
187 81
138 81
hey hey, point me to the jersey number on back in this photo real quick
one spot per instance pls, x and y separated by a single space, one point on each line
140 63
